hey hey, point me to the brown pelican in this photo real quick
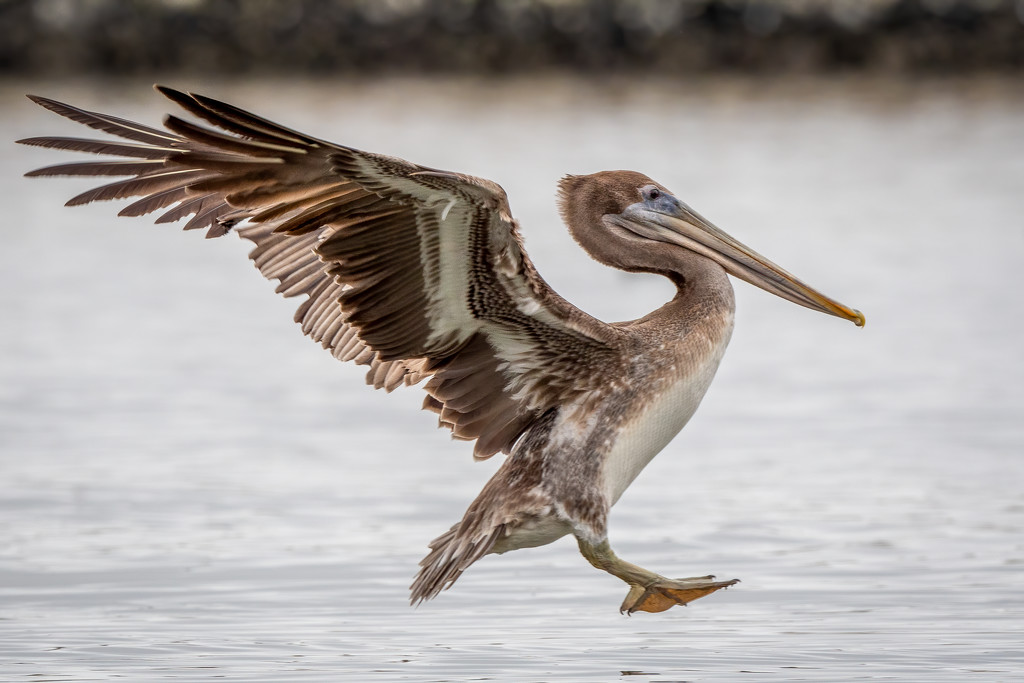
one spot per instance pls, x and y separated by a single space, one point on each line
420 274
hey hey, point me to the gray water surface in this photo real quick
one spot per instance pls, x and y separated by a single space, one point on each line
191 490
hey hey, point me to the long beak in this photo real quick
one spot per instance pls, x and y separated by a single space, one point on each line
686 228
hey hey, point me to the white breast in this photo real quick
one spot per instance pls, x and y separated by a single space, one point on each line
667 412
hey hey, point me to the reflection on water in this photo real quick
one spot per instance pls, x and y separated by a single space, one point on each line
192 490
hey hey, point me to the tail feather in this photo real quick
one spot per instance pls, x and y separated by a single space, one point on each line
450 554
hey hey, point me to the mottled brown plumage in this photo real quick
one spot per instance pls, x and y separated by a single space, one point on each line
421 275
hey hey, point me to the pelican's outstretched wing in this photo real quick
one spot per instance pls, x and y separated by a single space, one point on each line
413 271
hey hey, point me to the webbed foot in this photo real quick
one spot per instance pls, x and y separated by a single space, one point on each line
648 592
663 593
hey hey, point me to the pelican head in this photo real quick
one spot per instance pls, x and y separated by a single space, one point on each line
628 221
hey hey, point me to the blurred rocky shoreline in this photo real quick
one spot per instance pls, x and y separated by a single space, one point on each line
54 37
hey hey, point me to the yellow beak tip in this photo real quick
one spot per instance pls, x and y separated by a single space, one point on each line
858 319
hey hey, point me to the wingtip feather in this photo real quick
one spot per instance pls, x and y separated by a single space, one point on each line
182 99
47 102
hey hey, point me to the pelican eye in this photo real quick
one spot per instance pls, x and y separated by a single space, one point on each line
652 193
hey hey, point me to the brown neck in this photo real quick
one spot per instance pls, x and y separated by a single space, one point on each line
703 291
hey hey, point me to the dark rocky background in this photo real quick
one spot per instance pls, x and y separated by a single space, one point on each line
59 37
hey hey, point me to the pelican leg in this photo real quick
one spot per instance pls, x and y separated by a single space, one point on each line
648 592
